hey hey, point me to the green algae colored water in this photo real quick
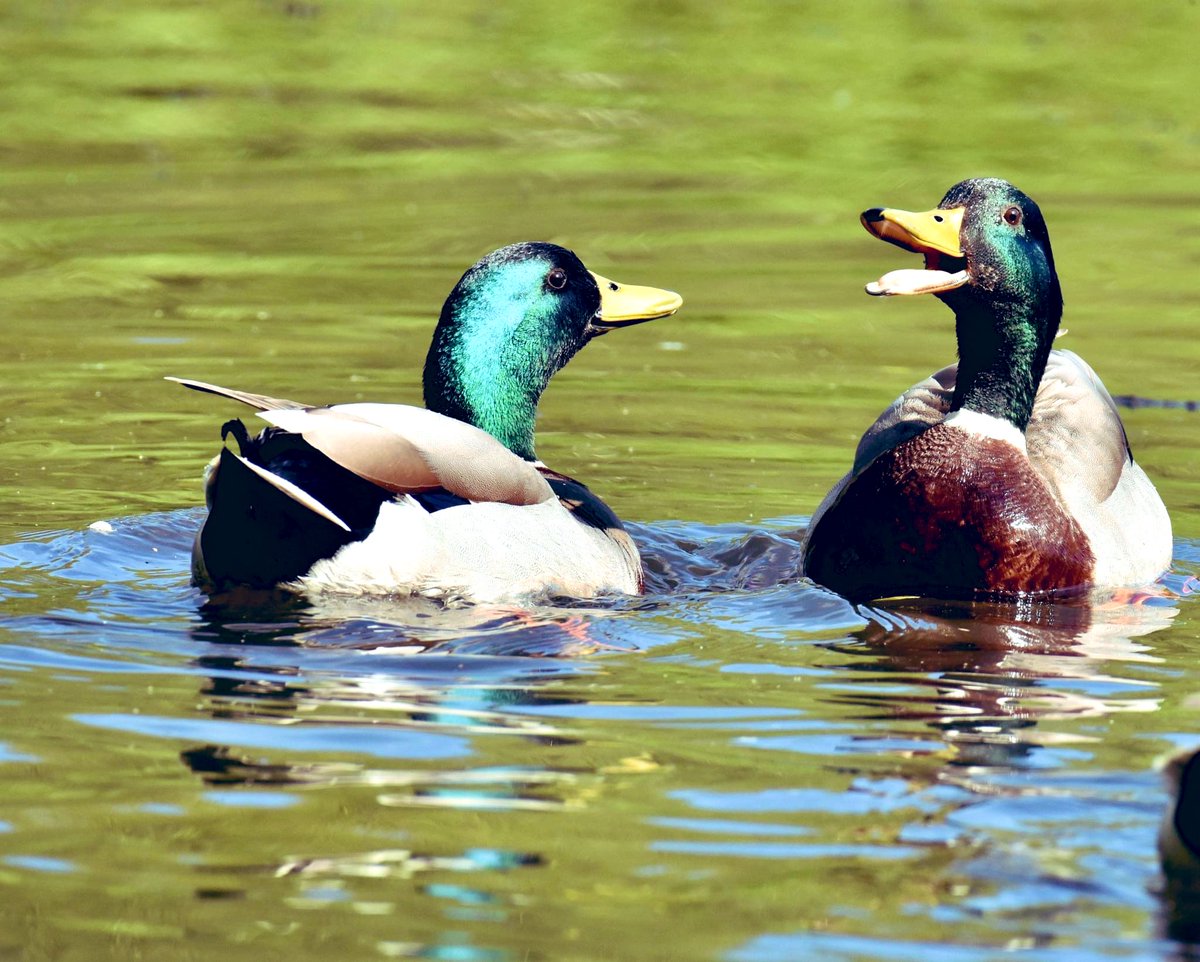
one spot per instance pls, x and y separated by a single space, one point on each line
277 196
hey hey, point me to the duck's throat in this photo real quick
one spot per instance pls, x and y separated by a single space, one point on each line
1002 356
486 381
498 404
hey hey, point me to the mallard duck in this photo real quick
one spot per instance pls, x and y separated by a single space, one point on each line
449 500
1008 473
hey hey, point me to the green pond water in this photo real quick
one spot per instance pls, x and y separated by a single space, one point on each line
277 195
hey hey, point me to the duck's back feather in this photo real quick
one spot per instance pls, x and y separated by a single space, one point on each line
257 533
586 508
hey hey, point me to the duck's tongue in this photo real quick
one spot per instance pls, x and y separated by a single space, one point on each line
913 281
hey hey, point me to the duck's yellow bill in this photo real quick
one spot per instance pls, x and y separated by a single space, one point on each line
624 304
926 232
934 233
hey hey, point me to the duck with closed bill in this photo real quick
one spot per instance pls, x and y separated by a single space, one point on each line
1004 475
447 501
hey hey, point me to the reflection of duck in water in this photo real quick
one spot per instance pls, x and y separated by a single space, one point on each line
986 675
417 732
376 717
394 626
447 501
1038 639
1008 473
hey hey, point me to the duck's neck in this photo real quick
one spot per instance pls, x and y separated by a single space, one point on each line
490 360
480 388
1002 354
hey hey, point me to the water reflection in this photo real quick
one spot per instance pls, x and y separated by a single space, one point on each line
390 677
409 669
402 626
426 696
764 723
1000 691
984 675
978 731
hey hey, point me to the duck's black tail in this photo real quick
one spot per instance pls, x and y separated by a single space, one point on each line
276 510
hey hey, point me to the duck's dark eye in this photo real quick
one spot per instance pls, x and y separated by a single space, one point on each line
557 278
1012 216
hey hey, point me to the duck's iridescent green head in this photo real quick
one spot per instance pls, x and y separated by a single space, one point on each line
511 322
987 255
1006 248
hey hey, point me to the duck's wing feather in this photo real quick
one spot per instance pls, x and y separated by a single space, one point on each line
588 509
401 448
1075 435
1078 444
923 405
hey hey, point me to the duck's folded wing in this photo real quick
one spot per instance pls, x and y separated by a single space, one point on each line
1077 443
1075 436
921 406
404 449
401 448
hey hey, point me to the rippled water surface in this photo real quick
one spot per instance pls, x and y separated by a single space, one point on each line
737 766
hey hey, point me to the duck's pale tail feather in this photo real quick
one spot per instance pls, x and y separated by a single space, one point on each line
261 402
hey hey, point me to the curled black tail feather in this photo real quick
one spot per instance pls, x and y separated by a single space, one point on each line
235 427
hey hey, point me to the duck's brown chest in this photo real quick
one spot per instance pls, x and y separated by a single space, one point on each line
948 514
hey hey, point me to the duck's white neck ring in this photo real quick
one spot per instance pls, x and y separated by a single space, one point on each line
987 426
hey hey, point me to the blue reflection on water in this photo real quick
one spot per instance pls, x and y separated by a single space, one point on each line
803 800
39 863
775 850
242 799
376 741
8 755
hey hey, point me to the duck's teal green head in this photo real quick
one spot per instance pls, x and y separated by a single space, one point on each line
988 256
511 322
